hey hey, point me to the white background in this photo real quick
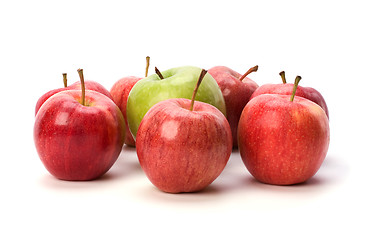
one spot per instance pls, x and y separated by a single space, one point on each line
323 41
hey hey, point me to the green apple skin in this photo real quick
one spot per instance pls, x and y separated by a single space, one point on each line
177 83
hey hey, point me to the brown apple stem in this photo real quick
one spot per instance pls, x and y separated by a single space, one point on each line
147 65
81 74
202 74
251 70
64 79
282 74
296 82
158 73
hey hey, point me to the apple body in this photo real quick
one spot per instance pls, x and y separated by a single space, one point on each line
77 142
120 92
236 94
181 150
287 89
177 83
283 142
89 85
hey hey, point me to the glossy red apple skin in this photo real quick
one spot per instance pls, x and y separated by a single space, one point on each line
287 89
236 94
76 142
89 85
181 150
119 92
283 142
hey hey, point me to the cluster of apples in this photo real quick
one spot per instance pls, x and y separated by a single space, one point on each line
184 123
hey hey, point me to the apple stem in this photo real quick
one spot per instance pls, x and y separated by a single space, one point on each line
202 74
64 79
282 74
147 65
296 82
253 69
158 73
81 74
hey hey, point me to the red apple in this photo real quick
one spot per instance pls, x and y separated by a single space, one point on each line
286 89
237 90
79 134
182 146
120 92
283 140
89 85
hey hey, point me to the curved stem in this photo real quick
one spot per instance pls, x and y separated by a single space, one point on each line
158 73
282 74
147 65
253 69
64 79
297 79
81 74
202 74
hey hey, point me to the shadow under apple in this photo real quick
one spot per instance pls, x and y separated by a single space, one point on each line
330 175
126 166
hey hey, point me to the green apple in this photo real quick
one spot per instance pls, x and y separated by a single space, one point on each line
176 83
